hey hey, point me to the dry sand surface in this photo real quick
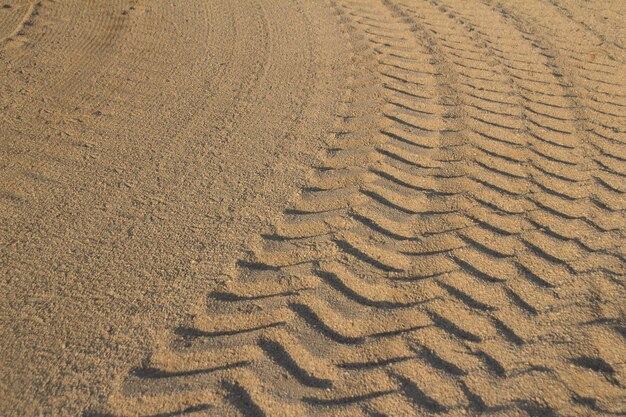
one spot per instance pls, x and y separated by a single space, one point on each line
299 207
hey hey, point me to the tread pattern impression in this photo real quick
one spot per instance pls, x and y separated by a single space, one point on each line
460 249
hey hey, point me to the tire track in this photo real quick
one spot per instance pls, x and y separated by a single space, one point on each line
570 16
304 237
30 153
73 87
86 47
450 254
14 18
544 241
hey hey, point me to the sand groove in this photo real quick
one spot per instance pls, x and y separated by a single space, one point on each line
459 249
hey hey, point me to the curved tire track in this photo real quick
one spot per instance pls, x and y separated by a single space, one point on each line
459 249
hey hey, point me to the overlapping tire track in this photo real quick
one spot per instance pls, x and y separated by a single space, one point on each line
459 249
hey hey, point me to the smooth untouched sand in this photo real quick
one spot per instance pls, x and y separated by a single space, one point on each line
272 207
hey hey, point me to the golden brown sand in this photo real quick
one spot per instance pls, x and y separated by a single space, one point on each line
272 207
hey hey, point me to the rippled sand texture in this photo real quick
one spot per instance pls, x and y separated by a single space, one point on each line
271 207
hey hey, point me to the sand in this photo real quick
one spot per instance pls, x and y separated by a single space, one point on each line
272 207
